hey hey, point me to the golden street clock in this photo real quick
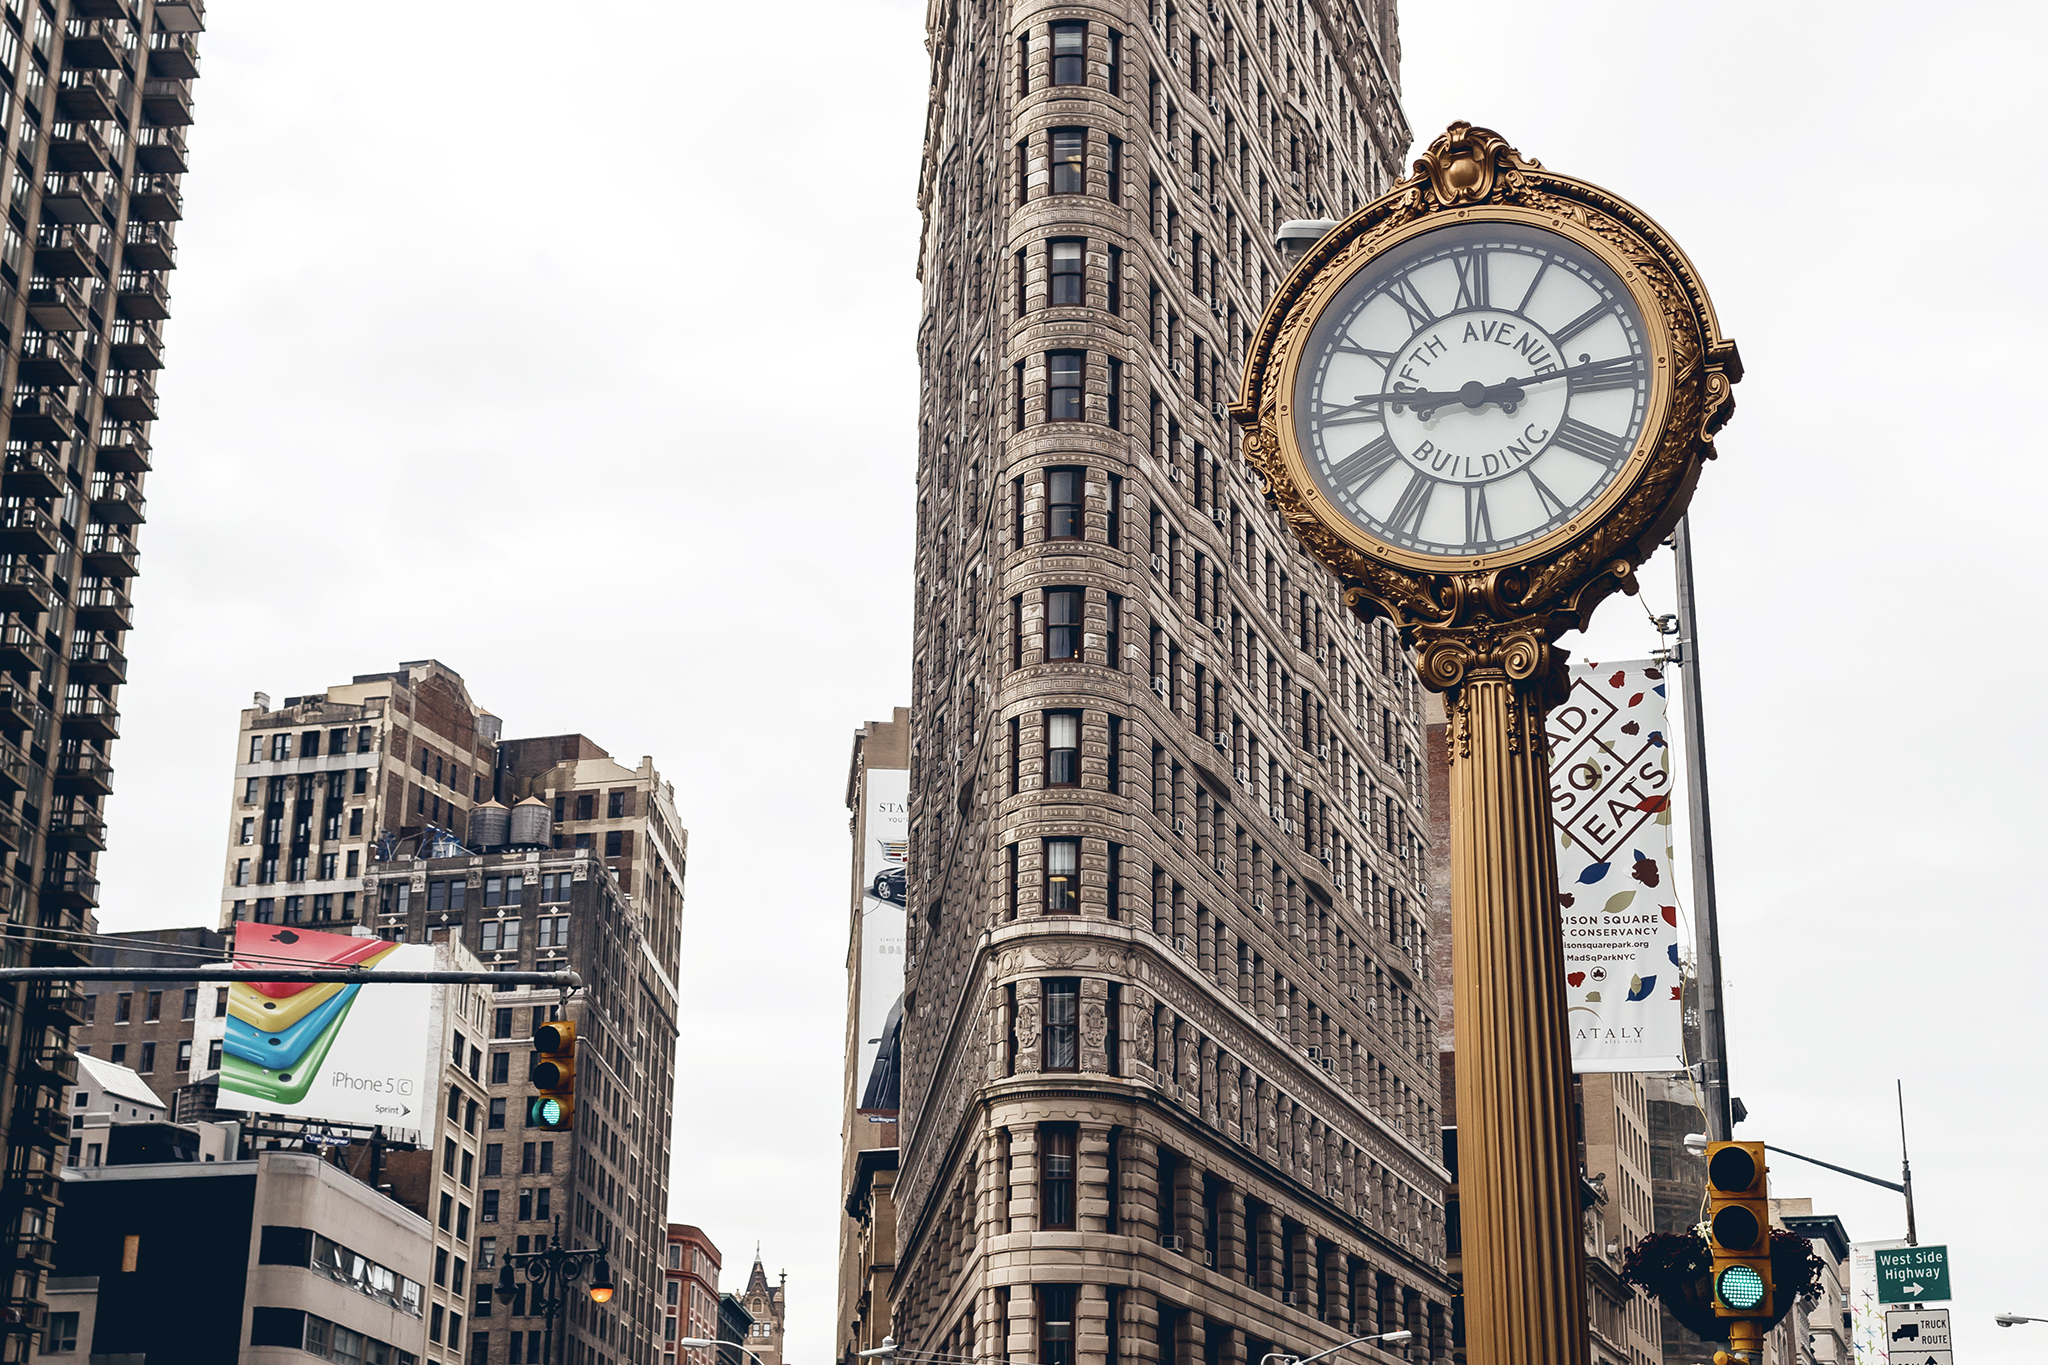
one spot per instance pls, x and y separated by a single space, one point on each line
1486 392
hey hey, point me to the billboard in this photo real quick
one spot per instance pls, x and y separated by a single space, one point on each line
1610 803
345 1053
885 827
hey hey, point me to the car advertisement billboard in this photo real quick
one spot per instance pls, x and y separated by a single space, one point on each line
885 833
344 1052
1610 802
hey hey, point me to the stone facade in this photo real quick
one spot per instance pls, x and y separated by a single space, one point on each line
1170 1088
763 1303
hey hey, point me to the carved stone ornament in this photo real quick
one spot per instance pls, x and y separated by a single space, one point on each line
1499 612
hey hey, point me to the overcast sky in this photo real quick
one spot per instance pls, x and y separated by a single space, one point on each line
593 378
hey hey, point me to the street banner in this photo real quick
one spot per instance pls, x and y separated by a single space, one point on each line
1869 1337
885 828
347 1053
1610 803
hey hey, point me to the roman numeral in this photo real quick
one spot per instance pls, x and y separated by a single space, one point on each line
1472 286
1364 464
1407 513
1402 291
1478 520
1591 442
1350 412
1620 373
1583 321
1536 279
1353 348
1553 506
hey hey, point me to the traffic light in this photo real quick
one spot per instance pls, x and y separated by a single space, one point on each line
1739 1229
553 1106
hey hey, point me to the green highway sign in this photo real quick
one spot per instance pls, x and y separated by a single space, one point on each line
1912 1275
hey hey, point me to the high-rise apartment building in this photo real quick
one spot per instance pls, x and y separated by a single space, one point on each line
1169 1081
95 99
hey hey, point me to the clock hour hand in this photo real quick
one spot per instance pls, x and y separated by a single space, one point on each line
1473 395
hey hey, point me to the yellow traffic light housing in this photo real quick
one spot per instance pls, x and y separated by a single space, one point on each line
553 1105
1739 1229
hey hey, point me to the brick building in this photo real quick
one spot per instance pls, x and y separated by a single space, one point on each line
97 97
153 1027
692 1295
1170 1085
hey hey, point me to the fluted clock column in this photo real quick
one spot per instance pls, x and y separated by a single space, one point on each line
1524 1263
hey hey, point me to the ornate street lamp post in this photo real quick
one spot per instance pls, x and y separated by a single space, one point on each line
551 1271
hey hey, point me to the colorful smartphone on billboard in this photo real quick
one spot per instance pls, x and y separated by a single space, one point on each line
282 1085
284 1048
284 945
272 1014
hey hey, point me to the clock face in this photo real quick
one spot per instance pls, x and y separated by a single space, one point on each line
1473 389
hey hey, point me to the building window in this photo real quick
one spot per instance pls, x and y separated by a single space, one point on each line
184 1056
153 1007
1062 623
1063 386
1114 72
1063 499
497 1119
280 748
1113 1038
1062 1021
501 1067
554 886
1062 876
1070 161
60 1334
124 1006
213 1049
1068 282
1070 54
1056 1176
1063 751
553 932
499 936
615 843
241 872
1114 166
489 1212
586 806
1056 1324
615 805
1114 399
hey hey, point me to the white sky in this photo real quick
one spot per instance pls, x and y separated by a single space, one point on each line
593 378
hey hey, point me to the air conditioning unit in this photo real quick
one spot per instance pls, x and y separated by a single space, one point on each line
1174 475
1216 204
1315 1054
1159 684
1244 778
1221 744
1322 654
1174 1242
1323 752
1417 965
1209 1259
1222 866
1290 826
1328 1065
1180 825
1215 104
1216 410
1273 813
1216 625
1352 990
1323 856
1294 180
1158 563
1173 155
1291 1297
1183 944
1221 517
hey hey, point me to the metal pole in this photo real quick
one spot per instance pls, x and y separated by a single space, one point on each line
1906 1171
1705 914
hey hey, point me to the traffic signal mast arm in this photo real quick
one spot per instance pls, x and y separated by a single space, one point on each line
1893 1186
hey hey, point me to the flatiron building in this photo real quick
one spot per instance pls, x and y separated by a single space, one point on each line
1169 1079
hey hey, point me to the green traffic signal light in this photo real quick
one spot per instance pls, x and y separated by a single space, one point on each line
545 1112
1740 1286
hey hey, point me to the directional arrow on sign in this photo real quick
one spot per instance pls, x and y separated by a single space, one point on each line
1913 1289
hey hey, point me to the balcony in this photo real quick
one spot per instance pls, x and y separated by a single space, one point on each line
84 773
95 44
95 660
173 56
82 828
149 247
143 295
130 397
14 767
64 252
117 502
135 346
88 96
57 1000
41 415
45 1125
26 528
124 449
48 363
54 1067
23 588
103 606
167 104
33 471
77 147
56 305
181 16
19 710
161 150
71 199
71 884
111 555
10 832
21 645
155 199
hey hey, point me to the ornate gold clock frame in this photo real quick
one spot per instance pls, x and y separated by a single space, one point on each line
1483 630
